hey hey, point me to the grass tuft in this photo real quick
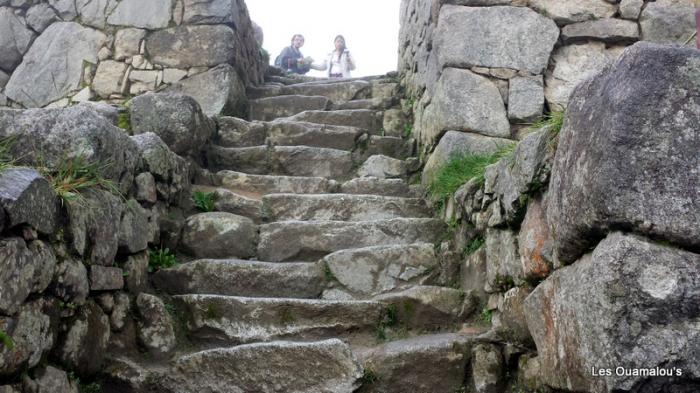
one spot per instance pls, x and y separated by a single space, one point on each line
486 316
204 201
473 246
461 168
6 340
73 176
161 259
6 160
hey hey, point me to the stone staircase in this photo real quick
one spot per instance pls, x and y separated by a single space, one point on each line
339 294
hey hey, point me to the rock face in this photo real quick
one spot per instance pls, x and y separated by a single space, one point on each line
192 46
84 345
15 39
31 331
52 136
573 64
623 305
622 117
465 101
155 327
25 269
566 12
177 119
506 37
28 199
154 14
667 21
53 66
218 91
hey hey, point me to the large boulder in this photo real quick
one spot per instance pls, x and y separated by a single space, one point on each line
628 153
155 327
573 64
24 269
176 118
464 101
630 305
192 46
15 39
218 91
28 198
51 137
152 14
32 331
93 226
53 66
170 171
667 21
219 235
499 37
84 345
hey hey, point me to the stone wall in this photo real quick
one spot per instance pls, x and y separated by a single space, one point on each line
59 52
517 58
589 256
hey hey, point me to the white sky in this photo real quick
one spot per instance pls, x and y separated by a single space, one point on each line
370 28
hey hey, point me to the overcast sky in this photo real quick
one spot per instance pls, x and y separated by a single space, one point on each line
370 28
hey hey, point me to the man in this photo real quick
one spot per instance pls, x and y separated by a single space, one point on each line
291 58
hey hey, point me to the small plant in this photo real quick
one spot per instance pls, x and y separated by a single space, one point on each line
461 168
329 273
486 316
369 376
213 311
160 259
204 201
6 340
75 175
6 160
473 245
124 121
407 130
286 316
503 283
94 387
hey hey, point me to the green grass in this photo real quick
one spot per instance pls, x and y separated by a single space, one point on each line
461 168
73 176
124 121
204 201
369 376
473 245
407 130
486 316
6 340
160 259
6 160
94 387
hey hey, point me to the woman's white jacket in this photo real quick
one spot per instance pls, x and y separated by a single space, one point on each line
347 63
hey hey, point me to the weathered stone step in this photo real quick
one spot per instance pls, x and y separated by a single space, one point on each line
283 160
369 120
336 92
271 108
430 363
377 186
236 277
289 133
326 366
428 307
376 103
362 273
311 240
369 145
340 207
255 186
236 320
234 132
229 201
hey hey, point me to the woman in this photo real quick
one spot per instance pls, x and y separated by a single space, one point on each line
339 62
291 58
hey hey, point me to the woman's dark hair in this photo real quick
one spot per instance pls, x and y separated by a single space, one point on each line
344 47
295 36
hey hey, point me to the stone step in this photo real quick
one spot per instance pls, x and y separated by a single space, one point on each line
290 133
429 363
235 132
336 92
376 103
271 108
229 201
311 240
362 273
236 320
236 277
340 207
428 307
369 145
283 160
377 186
255 186
369 120
327 366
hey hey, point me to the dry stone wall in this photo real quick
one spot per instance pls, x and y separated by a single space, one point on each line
59 52
579 246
